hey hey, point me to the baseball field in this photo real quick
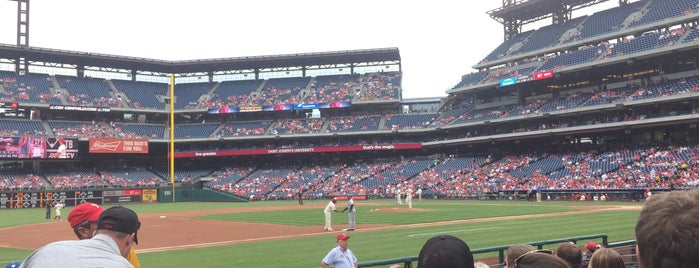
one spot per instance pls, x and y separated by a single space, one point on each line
285 234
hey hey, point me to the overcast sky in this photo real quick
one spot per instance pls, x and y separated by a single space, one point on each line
438 40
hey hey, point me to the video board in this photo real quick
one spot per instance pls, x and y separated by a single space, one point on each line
38 148
13 110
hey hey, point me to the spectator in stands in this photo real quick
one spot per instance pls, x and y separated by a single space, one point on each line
340 256
606 258
445 251
666 231
514 251
116 233
570 253
539 259
590 248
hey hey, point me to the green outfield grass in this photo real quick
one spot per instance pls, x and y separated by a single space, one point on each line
370 245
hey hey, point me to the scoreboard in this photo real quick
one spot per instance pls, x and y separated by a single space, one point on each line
48 198
12 110
42 199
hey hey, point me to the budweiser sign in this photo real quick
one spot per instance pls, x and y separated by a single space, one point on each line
118 146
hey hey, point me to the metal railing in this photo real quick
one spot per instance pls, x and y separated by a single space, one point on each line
408 261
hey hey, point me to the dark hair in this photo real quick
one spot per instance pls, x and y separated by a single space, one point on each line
570 253
666 231
445 251
84 224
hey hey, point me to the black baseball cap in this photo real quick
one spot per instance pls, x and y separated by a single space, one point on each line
119 219
445 251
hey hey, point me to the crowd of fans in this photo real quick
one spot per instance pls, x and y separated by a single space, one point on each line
448 176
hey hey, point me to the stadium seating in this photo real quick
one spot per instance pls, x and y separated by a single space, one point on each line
233 129
188 94
356 123
191 131
607 21
659 10
234 93
16 128
409 121
134 130
143 95
332 88
29 88
280 91
298 126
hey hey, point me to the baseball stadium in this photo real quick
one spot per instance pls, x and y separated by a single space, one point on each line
560 134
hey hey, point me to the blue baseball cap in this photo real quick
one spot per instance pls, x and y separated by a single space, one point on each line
14 264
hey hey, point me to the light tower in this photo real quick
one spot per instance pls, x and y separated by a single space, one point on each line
22 33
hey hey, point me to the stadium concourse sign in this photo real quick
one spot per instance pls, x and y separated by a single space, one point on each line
118 146
546 74
79 108
324 149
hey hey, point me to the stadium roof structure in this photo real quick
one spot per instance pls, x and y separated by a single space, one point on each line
515 13
36 54
533 10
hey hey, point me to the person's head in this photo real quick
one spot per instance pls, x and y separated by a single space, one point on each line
480 264
539 259
334 200
570 253
666 231
606 258
83 219
122 225
591 247
445 251
515 251
343 240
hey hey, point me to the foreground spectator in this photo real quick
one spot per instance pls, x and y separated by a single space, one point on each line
445 251
540 259
666 231
115 235
570 253
340 256
606 258
514 251
83 219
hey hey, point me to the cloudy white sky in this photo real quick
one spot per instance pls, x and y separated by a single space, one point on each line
438 40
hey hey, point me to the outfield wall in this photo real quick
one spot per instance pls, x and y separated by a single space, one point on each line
38 198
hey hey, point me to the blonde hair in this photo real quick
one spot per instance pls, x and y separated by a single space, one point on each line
606 258
480 264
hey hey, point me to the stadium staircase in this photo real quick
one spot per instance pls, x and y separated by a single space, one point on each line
115 93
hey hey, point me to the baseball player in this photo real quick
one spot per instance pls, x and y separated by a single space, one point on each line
398 200
58 206
328 214
350 207
409 196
